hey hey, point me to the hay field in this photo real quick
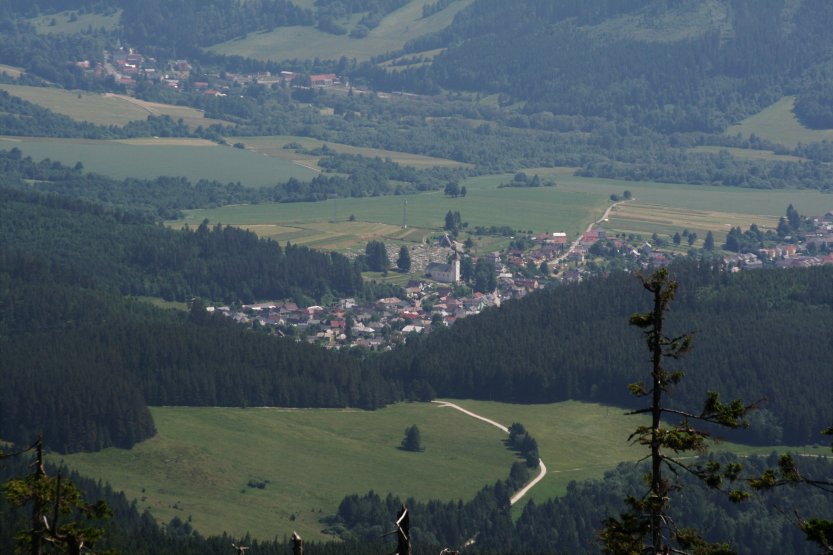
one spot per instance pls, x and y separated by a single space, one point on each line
108 108
150 158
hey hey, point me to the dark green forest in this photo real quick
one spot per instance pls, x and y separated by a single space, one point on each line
748 329
614 89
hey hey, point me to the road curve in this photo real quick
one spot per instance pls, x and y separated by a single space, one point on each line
541 466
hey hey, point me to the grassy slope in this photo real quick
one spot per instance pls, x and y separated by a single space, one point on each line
106 109
149 158
61 23
778 124
202 459
395 30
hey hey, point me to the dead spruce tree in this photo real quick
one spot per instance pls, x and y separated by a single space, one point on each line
646 526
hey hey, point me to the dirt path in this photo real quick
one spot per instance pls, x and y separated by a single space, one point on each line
542 467
588 230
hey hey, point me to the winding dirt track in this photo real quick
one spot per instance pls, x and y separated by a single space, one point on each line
542 467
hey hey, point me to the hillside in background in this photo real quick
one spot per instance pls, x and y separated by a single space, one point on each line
671 66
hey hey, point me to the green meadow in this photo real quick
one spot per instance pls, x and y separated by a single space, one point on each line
397 28
150 158
69 22
274 146
106 109
777 123
200 465
539 209
569 207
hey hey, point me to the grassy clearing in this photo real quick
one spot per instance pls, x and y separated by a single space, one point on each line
70 23
201 461
11 71
172 157
306 43
748 154
580 441
273 146
106 109
685 22
777 123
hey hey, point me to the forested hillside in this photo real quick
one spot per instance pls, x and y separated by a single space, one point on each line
670 66
124 252
572 342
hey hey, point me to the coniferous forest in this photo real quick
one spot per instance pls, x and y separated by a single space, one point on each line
619 90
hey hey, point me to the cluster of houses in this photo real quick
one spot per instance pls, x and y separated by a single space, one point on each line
814 249
128 66
375 326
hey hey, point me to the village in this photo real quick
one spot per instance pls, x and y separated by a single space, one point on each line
128 67
441 297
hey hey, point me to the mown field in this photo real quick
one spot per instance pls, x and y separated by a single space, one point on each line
540 209
569 207
149 158
274 146
777 123
397 28
108 108
200 464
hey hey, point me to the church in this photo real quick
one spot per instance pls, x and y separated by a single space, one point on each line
445 273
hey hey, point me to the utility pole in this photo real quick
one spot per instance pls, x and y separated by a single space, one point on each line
405 214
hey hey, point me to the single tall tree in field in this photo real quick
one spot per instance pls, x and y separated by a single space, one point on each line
646 526
404 260
412 440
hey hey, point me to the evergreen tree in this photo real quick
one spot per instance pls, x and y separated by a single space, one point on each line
646 526
793 218
412 440
708 244
376 256
677 238
404 260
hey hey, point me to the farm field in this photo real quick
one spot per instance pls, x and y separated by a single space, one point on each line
200 463
540 209
778 124
397 28
149 158
69 22
570 207
108 108
273 146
